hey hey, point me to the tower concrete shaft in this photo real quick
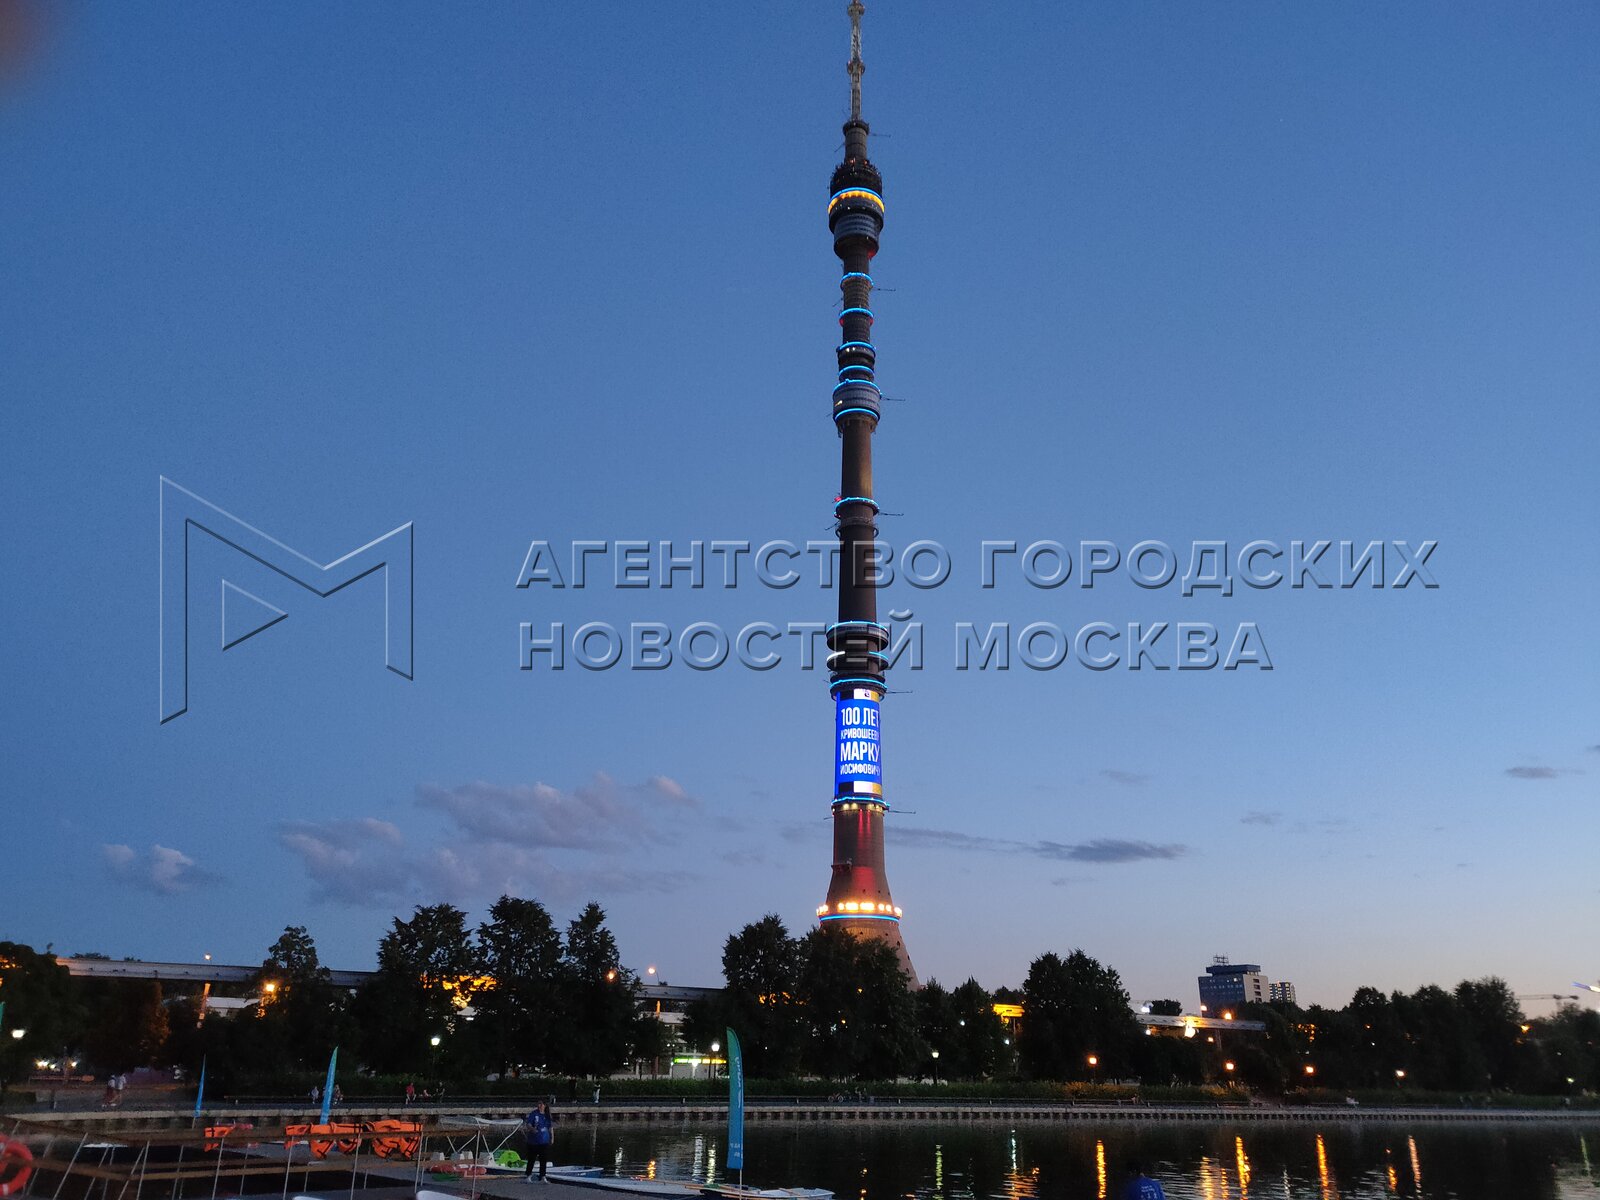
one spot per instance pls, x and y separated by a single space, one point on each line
858 893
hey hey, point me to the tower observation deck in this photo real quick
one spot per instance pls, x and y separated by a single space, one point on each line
858 892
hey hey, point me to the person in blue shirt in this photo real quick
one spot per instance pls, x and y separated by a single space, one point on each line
1140 1186
539 1130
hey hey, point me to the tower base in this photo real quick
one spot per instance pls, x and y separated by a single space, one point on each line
887 932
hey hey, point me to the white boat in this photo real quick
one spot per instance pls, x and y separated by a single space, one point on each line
665 1189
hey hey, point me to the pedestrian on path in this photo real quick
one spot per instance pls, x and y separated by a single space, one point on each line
539 1130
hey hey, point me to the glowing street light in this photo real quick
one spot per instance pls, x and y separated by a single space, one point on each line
1310 1070
1228 1066
19 1034
435 1040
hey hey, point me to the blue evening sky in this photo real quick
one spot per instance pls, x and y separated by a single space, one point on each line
1167 271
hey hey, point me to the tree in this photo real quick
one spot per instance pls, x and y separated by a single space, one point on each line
1565 1052
761 967
520 950
1166 1008
1374 1047
936 1027
980 1048
600 1013
1493 1019
417 991
860 1016
302 1014
1075 1009
1272 1060
38 998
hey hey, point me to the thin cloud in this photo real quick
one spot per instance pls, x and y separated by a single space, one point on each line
1097 850
1257 817
1110 850
350 862
1128 778
368 862
160 869
598 815
1534 773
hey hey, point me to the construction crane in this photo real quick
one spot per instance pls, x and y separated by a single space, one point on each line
1559 997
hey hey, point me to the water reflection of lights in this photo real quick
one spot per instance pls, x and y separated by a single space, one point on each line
1583 1147
938 1170
1394 1180
1242 1163
1416 1164
650 1170
1207 1190
1328 1190
1017 1184
1100 1166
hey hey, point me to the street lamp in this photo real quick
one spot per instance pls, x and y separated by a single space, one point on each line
1094 1067
935 1066
19 1034
1228 1066
1310 1070
1399 1077
711 1066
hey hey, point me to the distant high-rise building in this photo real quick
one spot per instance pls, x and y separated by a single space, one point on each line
1226 986
1282 992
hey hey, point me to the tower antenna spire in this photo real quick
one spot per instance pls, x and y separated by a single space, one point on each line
856 67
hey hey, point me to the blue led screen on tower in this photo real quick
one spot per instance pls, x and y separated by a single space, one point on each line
857 759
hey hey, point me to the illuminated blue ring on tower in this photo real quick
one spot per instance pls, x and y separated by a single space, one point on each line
850 916
856 383
843 624
859 681
867 346
837 505
845 412
857 367
854 311
854 275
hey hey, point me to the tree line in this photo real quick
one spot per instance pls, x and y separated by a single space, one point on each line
520 996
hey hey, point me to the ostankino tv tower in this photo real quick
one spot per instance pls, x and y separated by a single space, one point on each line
858 893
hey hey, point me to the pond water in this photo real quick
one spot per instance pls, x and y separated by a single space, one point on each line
998 1161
